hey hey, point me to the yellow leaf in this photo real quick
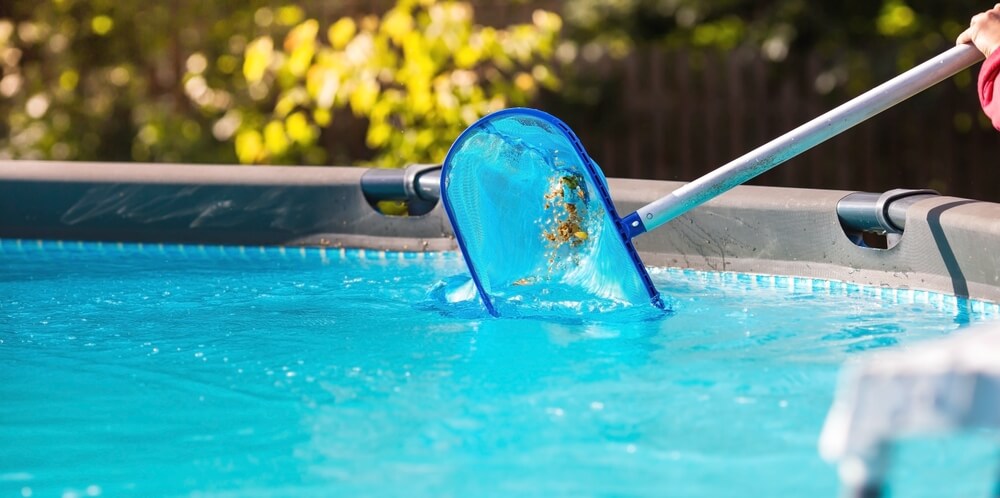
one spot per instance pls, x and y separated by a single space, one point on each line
101 25
289 15
301 58
289 100
322 117
322 84
421 102
378 134
546 21
392 208
467 57
425 138
68 80
524 82
275 139
299 129
381 110
397 23
896 18
257 58
364 96
341 32
303 33
249 146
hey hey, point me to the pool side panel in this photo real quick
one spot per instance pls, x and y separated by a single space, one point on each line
950 245
318 206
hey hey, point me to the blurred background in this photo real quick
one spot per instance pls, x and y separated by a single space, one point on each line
660 89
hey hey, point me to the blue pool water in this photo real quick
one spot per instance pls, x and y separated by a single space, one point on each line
186 371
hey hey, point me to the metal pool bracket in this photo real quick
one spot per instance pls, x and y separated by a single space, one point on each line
876 220
419 185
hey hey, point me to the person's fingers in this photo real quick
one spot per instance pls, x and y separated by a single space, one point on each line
965 37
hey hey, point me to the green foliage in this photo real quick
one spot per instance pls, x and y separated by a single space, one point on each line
220 82
776 27
97 79
260 82
418 76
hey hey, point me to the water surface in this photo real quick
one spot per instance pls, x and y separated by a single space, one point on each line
186 371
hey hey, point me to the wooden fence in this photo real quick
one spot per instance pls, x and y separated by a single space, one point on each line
676 115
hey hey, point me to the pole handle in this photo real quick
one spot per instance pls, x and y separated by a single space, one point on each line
801 139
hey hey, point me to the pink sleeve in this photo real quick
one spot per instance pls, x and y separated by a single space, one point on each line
988 76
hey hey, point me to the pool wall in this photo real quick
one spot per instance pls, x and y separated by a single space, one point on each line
241 205
950 245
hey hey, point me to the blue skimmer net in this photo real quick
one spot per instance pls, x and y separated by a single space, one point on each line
534 220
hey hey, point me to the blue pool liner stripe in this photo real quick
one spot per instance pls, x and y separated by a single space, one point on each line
749 281
26 246
752 281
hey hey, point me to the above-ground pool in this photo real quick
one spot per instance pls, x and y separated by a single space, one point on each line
186 370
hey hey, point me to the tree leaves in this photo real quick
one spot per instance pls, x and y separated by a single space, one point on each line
420 75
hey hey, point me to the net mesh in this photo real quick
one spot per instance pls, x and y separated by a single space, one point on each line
531 219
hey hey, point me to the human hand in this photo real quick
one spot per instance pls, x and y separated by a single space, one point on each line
984 31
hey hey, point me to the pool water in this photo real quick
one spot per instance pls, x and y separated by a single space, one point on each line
226 371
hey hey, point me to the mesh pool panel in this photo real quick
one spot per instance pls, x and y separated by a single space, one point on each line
534 220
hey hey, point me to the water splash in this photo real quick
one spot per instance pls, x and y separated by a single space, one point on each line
456 296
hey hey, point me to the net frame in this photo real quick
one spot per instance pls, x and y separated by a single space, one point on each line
589 168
